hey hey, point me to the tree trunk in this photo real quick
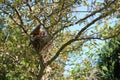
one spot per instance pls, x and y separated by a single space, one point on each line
42 68
41 73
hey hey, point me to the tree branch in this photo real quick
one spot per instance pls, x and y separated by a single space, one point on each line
5 12
88 25
81 20
19 16
17 12
73 40
77 36
93 13
58 52
27 2
65 45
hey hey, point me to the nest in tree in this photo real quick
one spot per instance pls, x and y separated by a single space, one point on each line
38 42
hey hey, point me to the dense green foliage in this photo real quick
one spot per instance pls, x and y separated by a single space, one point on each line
109 61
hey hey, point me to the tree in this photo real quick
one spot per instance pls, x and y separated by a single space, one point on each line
55 18
109 61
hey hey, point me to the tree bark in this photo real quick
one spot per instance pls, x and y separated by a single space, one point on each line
41 73
42 68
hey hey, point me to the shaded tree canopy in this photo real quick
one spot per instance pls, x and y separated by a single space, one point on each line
109 61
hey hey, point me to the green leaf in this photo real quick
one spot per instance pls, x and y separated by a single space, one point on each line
104 68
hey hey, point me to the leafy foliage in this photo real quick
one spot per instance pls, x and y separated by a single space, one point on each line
58 19
109 61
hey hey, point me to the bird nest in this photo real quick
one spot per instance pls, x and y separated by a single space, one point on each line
38 42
